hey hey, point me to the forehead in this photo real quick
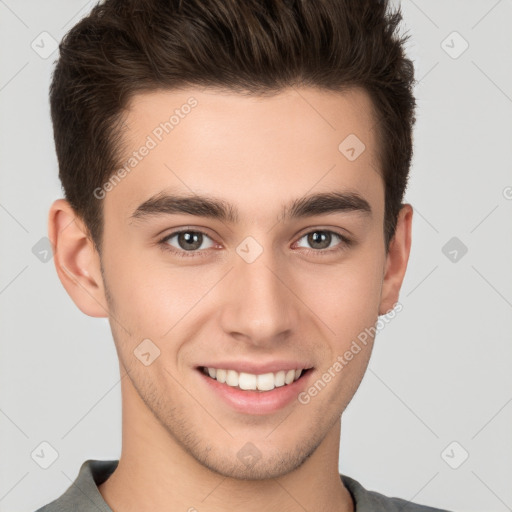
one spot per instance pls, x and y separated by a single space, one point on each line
255 151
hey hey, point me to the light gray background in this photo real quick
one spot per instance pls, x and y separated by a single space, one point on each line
440 371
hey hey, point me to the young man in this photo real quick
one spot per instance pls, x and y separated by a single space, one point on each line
234 175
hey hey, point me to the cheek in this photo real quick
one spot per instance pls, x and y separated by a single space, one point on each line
347 296
151 297
348 303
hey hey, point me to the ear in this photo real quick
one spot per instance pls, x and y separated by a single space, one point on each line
396 261
76 259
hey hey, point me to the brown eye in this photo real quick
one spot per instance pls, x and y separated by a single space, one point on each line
188 241
319 239
322 239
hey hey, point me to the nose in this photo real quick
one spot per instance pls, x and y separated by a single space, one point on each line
260 307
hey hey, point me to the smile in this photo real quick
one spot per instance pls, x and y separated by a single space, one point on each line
249 381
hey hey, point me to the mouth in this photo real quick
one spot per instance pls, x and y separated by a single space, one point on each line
261 383
254 393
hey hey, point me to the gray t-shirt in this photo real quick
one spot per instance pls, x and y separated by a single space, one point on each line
83 495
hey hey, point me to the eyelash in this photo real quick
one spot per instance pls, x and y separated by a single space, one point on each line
344 244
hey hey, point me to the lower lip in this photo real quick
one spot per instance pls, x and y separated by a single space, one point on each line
257 402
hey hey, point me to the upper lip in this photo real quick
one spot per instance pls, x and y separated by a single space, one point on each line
258 368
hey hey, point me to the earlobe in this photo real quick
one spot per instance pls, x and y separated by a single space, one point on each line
76 260
396 261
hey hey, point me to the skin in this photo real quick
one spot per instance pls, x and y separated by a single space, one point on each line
180 442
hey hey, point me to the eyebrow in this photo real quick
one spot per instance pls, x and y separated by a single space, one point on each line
215 208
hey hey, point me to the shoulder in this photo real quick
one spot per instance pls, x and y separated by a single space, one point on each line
367 501
83 495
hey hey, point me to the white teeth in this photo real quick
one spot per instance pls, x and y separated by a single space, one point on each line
290 375
250 381
279 378
266 381
246 381
232 378
220 375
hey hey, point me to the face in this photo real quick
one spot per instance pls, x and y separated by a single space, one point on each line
270 258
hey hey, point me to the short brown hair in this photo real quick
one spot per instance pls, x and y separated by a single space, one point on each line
124 47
